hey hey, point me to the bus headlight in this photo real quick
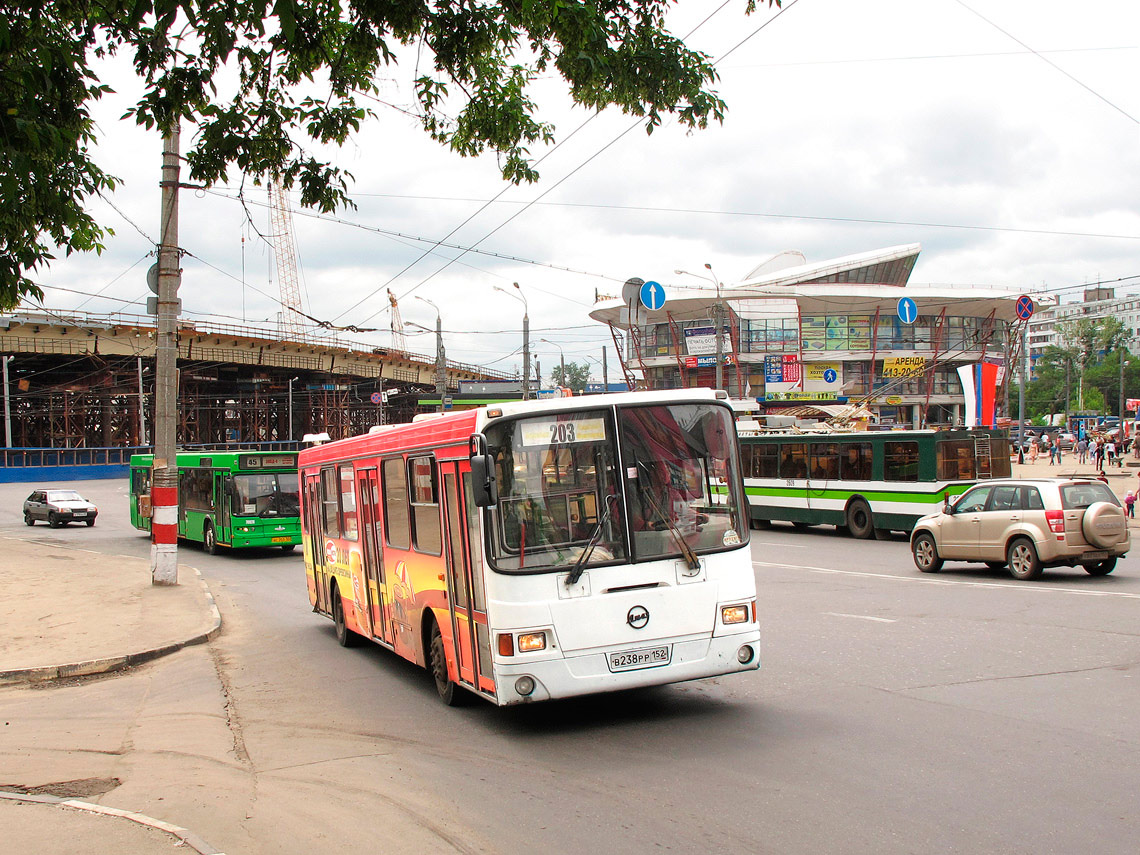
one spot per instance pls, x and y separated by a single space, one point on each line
524 685
744 654
734 614
528 642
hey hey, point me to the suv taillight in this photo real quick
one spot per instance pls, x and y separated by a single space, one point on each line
1056 520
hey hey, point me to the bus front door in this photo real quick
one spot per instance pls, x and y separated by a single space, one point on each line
466 597
368 489
315 524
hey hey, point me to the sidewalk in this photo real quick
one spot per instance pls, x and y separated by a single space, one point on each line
70 612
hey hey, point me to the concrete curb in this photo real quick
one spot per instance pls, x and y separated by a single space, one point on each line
47 673
187 838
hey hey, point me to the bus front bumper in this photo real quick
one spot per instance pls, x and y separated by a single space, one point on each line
590 673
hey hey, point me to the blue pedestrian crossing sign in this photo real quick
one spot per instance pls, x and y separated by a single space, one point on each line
652 295
907 310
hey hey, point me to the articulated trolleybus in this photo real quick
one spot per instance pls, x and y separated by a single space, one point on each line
541 549
870 482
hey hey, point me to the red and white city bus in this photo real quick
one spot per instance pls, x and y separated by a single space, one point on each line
540 549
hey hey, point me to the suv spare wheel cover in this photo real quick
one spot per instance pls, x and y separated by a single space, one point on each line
1104 524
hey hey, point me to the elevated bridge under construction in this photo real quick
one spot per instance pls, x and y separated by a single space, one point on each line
84 380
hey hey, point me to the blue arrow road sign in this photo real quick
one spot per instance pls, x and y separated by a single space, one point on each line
652 295
907 310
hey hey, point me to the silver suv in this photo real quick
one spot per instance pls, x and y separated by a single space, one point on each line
1026 525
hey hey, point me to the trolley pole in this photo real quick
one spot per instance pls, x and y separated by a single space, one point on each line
164 481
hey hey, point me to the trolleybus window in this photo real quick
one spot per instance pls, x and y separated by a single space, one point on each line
347 501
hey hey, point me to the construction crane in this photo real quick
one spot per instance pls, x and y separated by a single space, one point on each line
399 340
284 251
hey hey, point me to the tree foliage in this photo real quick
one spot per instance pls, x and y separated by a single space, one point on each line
1083 372
262 82
576 377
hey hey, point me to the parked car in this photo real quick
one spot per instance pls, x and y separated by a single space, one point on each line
58 507
1026 525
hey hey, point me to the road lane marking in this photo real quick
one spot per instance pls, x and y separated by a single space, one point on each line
863 617
1012 586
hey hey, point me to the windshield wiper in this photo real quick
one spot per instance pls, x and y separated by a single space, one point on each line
686 551
596 535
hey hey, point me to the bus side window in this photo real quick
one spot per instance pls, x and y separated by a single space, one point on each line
347 501
422 478
397 527
330 502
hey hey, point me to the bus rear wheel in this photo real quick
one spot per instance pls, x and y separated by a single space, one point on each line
859 520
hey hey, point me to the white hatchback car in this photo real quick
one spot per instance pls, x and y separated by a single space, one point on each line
1026 525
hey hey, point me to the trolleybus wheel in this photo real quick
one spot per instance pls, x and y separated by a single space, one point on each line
859 521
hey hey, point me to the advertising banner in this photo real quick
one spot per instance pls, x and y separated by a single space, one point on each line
903 366
701 341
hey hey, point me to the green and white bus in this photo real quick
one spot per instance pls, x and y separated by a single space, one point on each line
227 498
870 482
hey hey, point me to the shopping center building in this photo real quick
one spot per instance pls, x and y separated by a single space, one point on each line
801 338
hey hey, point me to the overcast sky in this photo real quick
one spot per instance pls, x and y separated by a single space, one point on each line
1001 135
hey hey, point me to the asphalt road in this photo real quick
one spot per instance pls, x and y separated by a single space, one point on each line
895 712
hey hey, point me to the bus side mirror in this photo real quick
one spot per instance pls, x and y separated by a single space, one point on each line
484 489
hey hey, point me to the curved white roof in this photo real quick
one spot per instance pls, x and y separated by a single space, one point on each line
863 283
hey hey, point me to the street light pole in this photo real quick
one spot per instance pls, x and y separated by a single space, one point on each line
526 336
562 354
718 320
291 381
440 355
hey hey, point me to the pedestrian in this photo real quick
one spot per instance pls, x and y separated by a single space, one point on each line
1034 450
1130 504
1055 453
1082 451
1110 452
1098 455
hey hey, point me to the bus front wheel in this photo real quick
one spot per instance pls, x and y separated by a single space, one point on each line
449 693
345 637
859 520
209 540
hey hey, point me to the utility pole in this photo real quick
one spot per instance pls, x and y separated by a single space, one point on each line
164 480
605 371
719 324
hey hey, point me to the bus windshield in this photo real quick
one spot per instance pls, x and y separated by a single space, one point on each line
558 492
681 479
265 494
564 503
